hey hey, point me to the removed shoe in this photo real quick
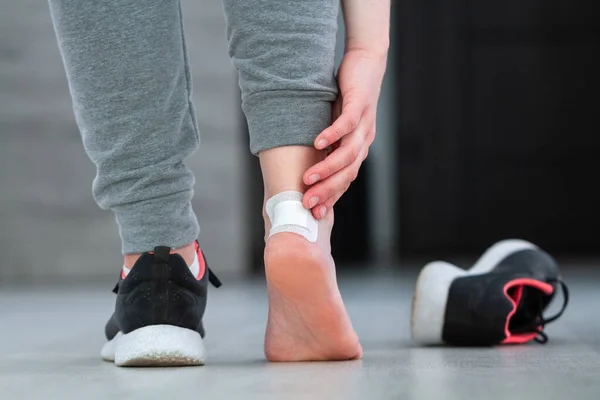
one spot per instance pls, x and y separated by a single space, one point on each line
500 300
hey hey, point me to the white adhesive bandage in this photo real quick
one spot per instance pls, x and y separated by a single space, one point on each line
287 214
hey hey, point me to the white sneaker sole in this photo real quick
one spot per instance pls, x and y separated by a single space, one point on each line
156 346
429 301
433 284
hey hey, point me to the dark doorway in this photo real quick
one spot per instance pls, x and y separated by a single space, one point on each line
499 128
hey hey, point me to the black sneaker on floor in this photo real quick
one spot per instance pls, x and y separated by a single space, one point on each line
500 300
158 313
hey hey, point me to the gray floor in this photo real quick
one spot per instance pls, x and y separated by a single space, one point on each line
50 338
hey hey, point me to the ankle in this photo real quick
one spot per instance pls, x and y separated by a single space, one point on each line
188 252
283 168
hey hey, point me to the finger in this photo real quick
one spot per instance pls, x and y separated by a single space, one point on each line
343 125
321 211
349 151
335 184
332 187
345 155
371 132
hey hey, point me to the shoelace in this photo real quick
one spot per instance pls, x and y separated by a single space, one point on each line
212 278
539 322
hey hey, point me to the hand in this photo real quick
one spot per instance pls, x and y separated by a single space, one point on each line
359 79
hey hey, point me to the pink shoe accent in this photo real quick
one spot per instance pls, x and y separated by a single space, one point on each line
515 299
201 261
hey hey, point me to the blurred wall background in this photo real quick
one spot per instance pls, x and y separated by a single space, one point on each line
50 226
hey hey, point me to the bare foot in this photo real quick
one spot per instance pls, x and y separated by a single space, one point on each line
307 318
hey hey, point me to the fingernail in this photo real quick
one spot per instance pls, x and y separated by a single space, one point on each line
313 202
323 211
313 178
321 144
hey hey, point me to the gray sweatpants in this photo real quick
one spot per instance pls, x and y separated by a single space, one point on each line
129 79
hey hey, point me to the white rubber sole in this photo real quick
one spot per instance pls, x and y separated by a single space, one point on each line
156 346
429 301
433 284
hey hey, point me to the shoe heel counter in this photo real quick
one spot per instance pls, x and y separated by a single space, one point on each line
158 303
160 294
476 312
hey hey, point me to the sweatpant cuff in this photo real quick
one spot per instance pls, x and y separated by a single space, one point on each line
165 221
277 118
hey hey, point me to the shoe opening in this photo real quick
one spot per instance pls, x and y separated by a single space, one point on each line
529 297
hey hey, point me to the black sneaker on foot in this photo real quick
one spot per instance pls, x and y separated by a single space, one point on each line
158 313
500 300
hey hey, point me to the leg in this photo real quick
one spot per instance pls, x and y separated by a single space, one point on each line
128 75
127 70
284 53
307 318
